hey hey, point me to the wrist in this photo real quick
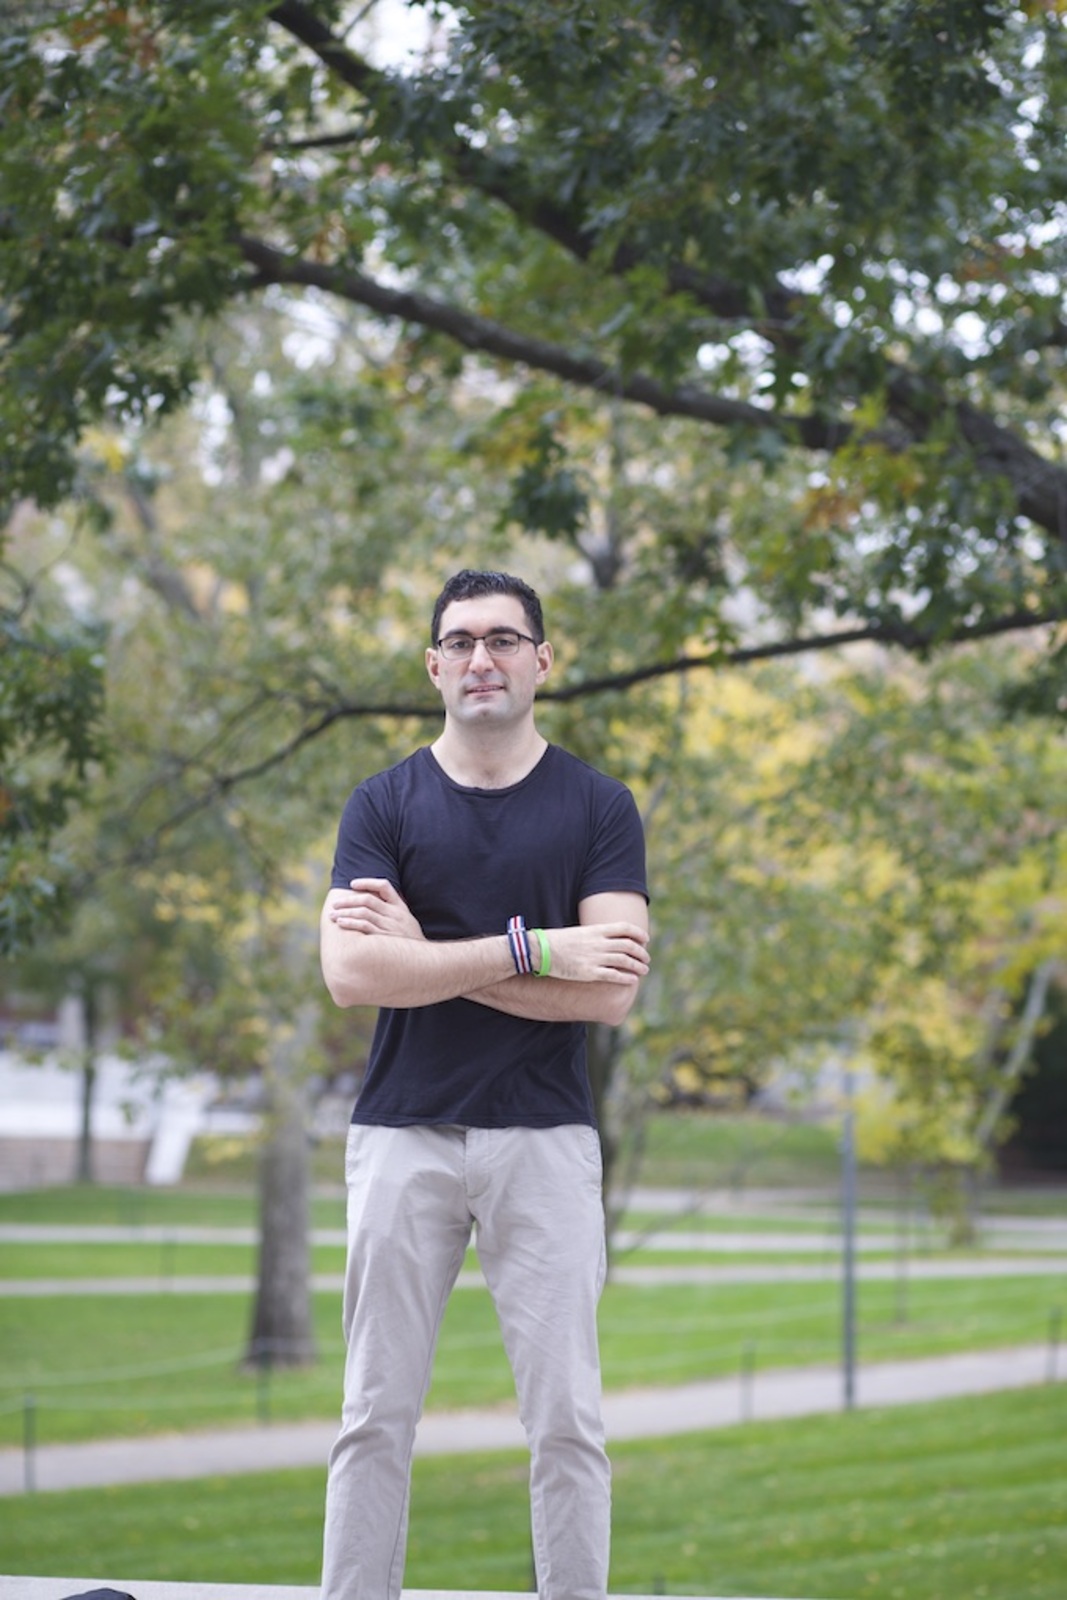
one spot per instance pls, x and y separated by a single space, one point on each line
529 948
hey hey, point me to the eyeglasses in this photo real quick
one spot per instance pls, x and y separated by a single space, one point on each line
501 642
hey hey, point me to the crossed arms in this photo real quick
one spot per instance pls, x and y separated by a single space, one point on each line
374 952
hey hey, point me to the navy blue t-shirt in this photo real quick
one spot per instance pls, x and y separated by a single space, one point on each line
465 860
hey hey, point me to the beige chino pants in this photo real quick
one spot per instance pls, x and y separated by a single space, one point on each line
533 1198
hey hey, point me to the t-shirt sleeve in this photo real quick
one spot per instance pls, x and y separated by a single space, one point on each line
366 841
616 860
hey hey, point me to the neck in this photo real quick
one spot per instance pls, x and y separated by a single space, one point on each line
491 763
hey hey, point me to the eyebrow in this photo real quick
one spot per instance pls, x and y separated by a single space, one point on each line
496 627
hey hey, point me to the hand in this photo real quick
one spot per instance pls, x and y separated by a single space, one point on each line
372 905
599 952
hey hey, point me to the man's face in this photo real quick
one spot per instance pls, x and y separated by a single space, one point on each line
483 689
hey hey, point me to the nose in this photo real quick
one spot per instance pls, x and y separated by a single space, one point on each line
480 644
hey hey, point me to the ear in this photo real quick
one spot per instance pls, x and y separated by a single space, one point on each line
545 657
433 668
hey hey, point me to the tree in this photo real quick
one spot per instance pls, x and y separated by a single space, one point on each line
757 308
200 900
828 233
51 740
967 811
98 955
868 851
241 991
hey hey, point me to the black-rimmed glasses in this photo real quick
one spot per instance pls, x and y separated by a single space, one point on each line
500 642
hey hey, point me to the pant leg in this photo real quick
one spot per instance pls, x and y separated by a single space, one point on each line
408 1230
540 1233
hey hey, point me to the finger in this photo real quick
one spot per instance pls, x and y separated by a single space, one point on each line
361 907
380 888
631 961
355 906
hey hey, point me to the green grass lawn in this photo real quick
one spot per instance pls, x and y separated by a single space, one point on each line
957 1500
150 1362
101 1205
163 1259
690 1149
740 1219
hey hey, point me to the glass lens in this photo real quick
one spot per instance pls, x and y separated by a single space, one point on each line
498 644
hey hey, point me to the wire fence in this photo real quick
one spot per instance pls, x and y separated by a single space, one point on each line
318 1392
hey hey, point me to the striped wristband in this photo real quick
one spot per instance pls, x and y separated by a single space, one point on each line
520 945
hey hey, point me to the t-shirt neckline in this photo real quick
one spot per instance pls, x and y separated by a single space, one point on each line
473 789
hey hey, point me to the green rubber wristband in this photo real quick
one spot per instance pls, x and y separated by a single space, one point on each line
546 954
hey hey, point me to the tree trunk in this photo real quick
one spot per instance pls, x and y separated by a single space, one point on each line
1019 1055
282 1331
84 1172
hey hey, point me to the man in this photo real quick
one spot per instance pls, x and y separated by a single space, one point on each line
489 897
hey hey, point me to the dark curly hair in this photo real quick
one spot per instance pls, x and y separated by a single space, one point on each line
469 585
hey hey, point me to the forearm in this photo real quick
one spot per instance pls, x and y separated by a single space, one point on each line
381 970
374 953
552 1000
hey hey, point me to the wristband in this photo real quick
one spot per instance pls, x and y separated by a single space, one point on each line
546 954
520 945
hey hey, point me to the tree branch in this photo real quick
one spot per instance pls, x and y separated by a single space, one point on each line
1019 1055
900 635
494 339
309 30
1039 485
221 784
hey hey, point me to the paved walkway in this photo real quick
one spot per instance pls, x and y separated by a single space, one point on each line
827 1271
629 1414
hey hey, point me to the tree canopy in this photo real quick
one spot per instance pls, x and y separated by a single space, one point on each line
830 235
763 301
51 703
759 308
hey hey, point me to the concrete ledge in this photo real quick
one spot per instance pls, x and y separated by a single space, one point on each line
15 1588
60 1588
